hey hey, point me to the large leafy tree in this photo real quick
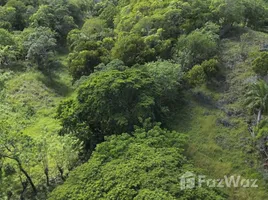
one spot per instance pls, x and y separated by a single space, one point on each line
7 17
6 38
85 54
95 28
195 14
82 63
110 102
21 14
167 76
255 13
132 49
18 148
228 12
55 16
8 49
198 46
8 55
145 165
40 47
89 47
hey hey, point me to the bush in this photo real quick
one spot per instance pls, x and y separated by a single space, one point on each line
168 76
199 45
260 64
196 76
83 63
6 38
211 67
132 50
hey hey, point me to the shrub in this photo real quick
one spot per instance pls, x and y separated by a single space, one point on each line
210 67
260 64
196 76
199 45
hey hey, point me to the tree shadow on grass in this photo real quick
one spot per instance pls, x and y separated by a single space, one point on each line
52 80
181 116
234 33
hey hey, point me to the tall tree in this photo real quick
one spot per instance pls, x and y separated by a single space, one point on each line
109 102
132 49
198 46
40 47
18 148
55 16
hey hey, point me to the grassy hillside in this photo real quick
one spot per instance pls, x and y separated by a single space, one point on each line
216 120
28 105
33 95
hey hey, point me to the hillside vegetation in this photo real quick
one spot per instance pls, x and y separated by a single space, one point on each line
119 99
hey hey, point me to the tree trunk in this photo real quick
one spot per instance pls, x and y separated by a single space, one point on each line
251 130
28 177
47 175
259 117
24 187
61 172
9 195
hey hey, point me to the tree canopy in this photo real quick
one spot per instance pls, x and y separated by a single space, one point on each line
112 102
145 165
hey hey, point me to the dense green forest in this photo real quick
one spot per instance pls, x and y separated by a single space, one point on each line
118 99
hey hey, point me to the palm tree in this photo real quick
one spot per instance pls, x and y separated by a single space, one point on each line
257 99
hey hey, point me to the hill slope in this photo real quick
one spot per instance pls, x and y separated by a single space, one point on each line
216 121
